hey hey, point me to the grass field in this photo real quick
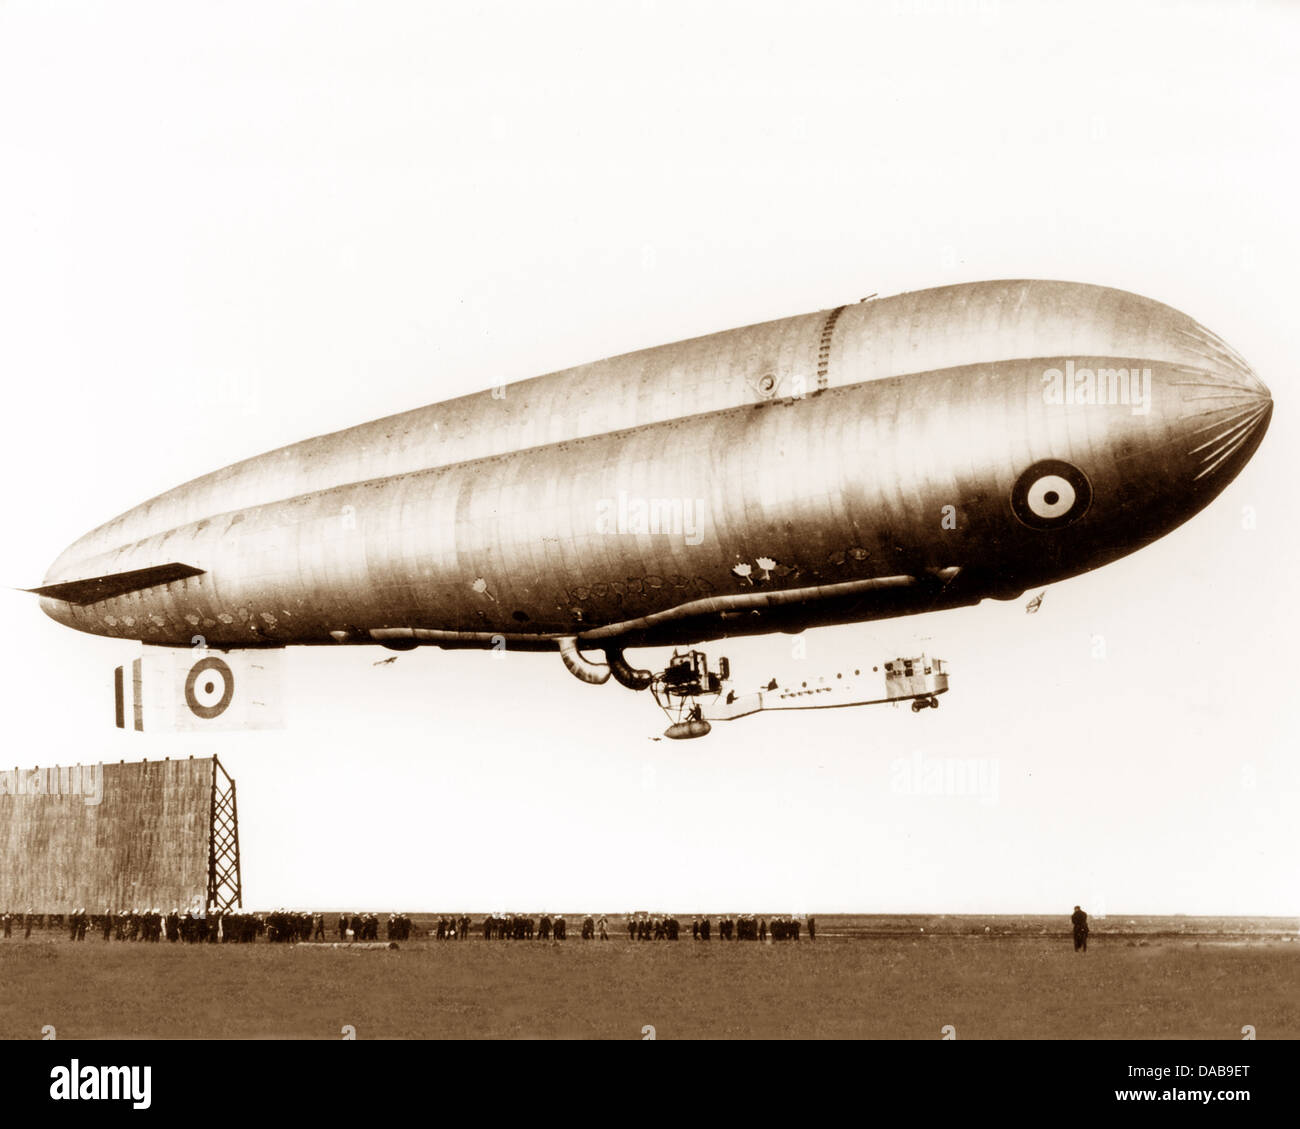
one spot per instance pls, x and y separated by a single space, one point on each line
900 987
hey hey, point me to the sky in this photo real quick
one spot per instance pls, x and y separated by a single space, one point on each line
226 227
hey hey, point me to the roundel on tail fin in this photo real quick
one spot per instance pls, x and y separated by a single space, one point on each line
209 687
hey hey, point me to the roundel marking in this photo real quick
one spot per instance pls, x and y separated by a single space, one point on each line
1051 494
208 697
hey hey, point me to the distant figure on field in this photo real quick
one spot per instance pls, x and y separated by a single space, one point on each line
1079 920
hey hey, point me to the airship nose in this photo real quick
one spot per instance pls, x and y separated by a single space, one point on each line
1223 418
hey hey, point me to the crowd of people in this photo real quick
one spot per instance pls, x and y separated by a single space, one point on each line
292 926
642 927
287 927
645 927
147 925
522 927
365 927
453 928
743 927
780 927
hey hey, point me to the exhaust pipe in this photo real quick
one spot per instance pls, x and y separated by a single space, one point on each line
624 673
579 667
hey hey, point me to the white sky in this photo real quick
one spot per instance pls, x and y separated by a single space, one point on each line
226 227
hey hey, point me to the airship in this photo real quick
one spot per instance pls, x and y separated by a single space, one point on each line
899 455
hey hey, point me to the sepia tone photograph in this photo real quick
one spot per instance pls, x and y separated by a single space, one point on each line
655 521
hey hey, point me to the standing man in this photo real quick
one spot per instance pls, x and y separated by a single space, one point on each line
1079 920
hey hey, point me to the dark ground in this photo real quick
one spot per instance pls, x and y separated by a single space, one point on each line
877 977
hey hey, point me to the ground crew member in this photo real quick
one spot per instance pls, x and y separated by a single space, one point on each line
1079 920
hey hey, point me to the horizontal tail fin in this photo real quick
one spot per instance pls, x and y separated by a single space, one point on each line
95 588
